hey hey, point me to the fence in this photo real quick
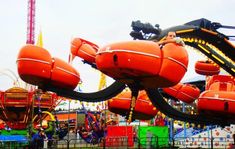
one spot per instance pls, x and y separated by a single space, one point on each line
203 142
14 144
122 142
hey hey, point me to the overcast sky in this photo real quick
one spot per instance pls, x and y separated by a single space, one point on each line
100 21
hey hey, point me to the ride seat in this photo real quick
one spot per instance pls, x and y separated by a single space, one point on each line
230 86
219 78
222 86
214 86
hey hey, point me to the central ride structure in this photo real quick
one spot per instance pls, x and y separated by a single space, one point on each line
150 71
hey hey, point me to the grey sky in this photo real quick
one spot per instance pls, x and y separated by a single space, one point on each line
100 21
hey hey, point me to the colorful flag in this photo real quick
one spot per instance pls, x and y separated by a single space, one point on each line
40 40
102 83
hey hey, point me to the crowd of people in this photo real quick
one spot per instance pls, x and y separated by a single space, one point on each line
50 135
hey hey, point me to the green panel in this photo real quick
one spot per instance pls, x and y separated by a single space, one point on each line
153 136
14 132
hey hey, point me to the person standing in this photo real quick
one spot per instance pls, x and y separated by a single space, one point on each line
38 140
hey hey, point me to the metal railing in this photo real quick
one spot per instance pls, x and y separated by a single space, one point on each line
122 142
203 142
14 144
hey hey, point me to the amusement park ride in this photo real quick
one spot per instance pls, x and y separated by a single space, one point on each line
142 64
151 72
19 107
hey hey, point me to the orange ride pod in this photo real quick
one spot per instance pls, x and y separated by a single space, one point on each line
34 64
64 75
188 93
84 49
143 110
184 92
217 101
173 91
206 68
219 78
131 59
174 64
121 103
